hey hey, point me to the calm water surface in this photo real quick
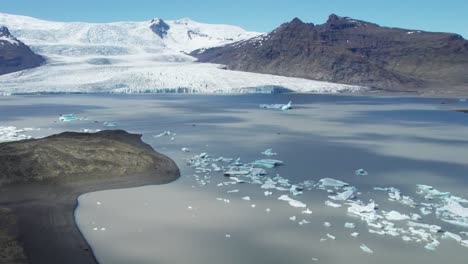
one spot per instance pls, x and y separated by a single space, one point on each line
401 142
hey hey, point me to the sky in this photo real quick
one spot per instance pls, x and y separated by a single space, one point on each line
254 15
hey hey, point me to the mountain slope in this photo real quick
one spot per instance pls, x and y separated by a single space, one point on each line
15 55
135 57
350 51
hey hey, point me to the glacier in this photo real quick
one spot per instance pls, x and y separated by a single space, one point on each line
137 57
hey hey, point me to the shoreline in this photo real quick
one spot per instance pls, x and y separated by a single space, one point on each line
46 219
45 216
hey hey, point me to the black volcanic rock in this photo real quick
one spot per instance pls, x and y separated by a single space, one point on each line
159 27
15 55
349 51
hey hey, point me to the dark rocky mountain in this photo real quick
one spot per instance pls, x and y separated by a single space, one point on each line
159 27
15 55
349 51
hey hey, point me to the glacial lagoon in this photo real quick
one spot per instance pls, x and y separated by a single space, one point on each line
206 217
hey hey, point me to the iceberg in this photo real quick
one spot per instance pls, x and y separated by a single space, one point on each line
395 216
332 204
166 133
267 163
361 172
282 107
433 245
109 124
292 202
328 182
344 195
366 249
269 152
69 118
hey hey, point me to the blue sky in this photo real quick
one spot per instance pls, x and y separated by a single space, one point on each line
258 15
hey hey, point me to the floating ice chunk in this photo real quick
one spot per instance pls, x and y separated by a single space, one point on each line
70 118
165 133
268 210
247 198
323 239
236 173
327 224
269 184
328 182
454 209
331 237
233 191
315 259
269 152
292 202
432 228
449 235
185 149
253 206
355 234
425 210
292 218
109 124
433 245
103 229
415 217
343 196
431 193
366 212
295 190
378 232
407 238
462 223
215 167
257 171
267 193
307 211
277 106
267 163
366 249
361 172
395 216
227 235
332 204
350 225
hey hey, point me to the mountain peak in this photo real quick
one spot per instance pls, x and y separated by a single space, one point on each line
159 27
4 31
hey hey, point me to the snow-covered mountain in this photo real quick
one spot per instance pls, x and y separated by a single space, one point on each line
151 55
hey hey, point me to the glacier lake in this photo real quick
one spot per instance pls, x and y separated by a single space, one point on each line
361 145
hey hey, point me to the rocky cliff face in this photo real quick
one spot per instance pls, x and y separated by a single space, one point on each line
15 55
345 50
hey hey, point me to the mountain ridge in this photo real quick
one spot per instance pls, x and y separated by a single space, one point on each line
350 51
15 55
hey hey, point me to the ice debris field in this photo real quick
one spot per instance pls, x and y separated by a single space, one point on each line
410 226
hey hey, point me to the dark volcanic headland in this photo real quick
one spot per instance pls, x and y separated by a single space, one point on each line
350 51
15 55
42 178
